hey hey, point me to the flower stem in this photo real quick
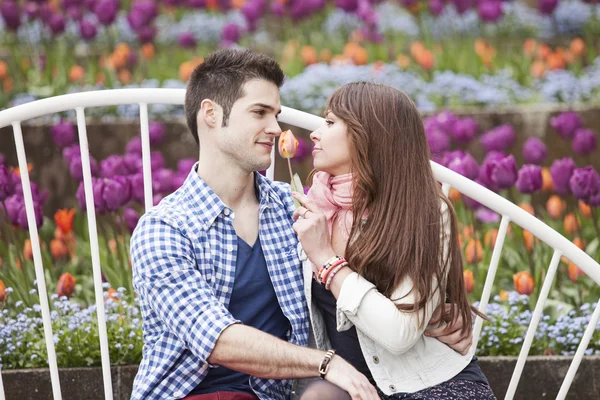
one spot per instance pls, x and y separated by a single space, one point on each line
291 175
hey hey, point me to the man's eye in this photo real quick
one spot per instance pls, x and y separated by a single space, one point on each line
260 112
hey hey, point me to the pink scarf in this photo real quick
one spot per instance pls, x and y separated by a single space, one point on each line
333 196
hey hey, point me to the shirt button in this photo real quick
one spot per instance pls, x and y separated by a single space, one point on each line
225 290
392 388
226 211
230 248
376 359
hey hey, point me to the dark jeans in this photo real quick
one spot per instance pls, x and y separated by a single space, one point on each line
222 396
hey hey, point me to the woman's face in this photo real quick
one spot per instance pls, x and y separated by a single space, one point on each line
331 151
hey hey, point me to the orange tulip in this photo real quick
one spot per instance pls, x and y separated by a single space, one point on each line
571 223
524 283
577 47
469 280
58 249
546 180
490 237
480 47
556 61
416 49
325 55
426 60
403 61
575 272
3 70
8 85
555 206
309 55
528 238
2 292
454 195
584 209
124 76
538 69
543 50
64 219
503 295
148 51
468 231
474 251
185 70
76 73
527 207
28 250
288 144
66 285
360 57
579 243
529 47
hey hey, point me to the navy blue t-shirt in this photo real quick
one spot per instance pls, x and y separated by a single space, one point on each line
253 301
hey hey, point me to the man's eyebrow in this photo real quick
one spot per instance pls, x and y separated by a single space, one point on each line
268 107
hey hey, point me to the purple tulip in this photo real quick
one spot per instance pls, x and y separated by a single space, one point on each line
530 178
97 190
444 120
278 9
116 193
490 10
347 5
547 7
436 7
74 13
162 181
185 165
196 4
561 171
11 14
36 195
157 198
178 180
534 151
302 152
137 187
32 10
57 24
142 14
37 212
566 123
157 132
438 140
585 184
112 166
71 152
157 160
465 165
46 13
87 29
584 141
133 163
13 207
231 33
134 145
146 34
499 174
131 218
462 5
500 138
464 130
7 185
76 169
254 9
106 11
63 134
494 156
187 40
487 216
132 59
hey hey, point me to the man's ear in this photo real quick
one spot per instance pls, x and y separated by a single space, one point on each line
209 113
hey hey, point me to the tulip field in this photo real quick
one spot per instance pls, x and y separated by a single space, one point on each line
451 56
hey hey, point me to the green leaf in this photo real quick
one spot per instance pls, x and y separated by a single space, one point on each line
296 185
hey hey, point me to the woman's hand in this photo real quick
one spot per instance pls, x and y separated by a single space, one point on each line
311 228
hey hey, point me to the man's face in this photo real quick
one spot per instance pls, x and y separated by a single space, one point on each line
252 128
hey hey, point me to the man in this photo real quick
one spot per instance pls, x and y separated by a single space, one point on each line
215 263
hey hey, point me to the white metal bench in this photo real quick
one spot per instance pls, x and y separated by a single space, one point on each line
449 179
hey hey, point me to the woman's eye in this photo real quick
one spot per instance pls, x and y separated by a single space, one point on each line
329 122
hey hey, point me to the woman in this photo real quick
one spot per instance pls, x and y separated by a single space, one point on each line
381 241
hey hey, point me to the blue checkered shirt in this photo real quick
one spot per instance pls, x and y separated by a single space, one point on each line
183 254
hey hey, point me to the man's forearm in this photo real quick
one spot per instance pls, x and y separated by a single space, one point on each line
246 349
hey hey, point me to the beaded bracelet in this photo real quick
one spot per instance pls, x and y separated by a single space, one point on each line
333 273
326 272
328 264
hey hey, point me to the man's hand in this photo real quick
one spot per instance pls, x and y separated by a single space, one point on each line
450 332
345 376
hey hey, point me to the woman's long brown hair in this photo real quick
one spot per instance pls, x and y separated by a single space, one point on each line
403 236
